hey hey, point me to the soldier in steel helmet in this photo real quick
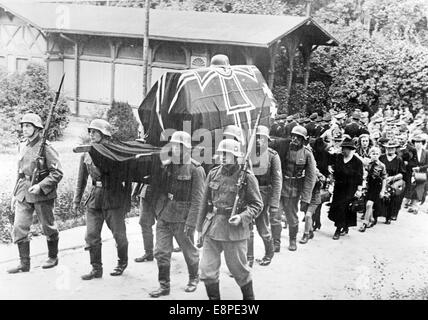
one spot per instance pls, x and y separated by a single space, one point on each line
218 231
220 60
39 197
267 169
184 180
107 202
299 177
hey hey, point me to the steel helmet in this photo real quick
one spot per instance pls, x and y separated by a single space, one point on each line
234 131
32 118
263 131
300 131
220 60
230 145
183 138
101 125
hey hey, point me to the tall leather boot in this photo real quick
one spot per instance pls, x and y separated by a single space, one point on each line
307 234
164 282
250 249
292 236
122 263
213 290
247 291
148 256
269 252
193 278
24 256
148 248
52 255
97 266
276 235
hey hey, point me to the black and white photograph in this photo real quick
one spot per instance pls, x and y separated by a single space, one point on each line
193 150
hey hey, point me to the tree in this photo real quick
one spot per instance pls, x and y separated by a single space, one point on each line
123 122
30 92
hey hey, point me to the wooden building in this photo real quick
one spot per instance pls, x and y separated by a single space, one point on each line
100 48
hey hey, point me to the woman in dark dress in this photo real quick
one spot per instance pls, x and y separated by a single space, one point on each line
322 158
395 170
348 180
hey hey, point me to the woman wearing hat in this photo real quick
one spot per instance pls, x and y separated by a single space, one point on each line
395 170
348 177
418 186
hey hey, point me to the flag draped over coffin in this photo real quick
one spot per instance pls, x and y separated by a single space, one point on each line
211 98
124 161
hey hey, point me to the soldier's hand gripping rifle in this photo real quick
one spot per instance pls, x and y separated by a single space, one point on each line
243 173
41 172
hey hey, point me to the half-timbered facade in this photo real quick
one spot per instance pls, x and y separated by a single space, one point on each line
101 48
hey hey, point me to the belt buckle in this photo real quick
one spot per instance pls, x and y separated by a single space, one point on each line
170 196
98 184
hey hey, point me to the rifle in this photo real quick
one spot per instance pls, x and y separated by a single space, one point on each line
40 172
242 175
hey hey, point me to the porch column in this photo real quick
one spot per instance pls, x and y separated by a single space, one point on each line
273 50
306 50
77 46
291 44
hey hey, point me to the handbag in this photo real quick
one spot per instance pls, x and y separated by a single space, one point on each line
325 195
397 187
358 205
420 177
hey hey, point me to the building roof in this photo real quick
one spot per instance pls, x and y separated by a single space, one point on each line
188 26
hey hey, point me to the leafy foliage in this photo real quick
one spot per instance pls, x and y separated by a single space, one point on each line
123 122
30 92
313 99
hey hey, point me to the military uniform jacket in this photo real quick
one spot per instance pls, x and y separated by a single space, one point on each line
28 152
104 195
298 169
269 176
184 185
219 192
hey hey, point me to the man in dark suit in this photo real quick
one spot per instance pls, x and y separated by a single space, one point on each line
418 188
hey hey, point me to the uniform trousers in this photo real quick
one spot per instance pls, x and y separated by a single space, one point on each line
24 218
147 221
115 220
290 207
235 254
165 232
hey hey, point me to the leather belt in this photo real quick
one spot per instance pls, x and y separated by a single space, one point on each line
291 178
24 176
97 184
222 211
265 185
173 197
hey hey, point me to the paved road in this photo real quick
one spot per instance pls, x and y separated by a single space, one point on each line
386 262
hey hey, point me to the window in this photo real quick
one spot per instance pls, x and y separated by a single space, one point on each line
97 47
131 51
170 53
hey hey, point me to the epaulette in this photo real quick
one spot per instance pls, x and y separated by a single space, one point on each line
272 151
195 163
214 170
308 148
